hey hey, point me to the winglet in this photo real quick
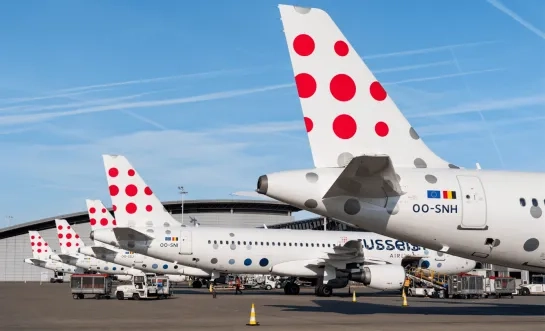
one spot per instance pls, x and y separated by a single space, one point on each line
347 112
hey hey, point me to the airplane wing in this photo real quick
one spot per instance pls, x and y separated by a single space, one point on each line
126 234
367 177
352 250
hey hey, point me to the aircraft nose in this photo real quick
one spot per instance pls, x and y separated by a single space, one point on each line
92 235
262 184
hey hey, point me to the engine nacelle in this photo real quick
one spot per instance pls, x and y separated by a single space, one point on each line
177 278
381 277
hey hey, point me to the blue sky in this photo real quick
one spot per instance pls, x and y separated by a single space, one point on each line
203 95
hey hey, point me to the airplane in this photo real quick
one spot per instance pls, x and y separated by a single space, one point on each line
331 257
41 257
100 217
70 242
373 170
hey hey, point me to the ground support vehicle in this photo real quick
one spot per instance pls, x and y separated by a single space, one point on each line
536 286
466 286
500 286
148 286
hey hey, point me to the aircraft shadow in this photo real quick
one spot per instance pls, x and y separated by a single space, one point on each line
453 308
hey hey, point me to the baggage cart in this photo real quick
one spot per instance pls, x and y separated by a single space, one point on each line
98 285
466 286
500 286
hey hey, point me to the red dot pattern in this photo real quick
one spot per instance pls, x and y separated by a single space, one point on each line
104 218
306 85
303 45
113 172
38 242
68 237
132 190
341 86
344 126
92 210
308 124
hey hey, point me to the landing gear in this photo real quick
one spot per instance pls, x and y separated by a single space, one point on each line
291 288
323 290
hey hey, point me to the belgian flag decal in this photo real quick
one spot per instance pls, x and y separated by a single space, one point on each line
450 195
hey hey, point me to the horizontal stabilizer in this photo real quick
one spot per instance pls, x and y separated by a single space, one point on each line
126 234
367 177
68 259
100 250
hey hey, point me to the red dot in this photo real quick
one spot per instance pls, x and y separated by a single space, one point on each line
60 235
131 190
308 124
68 244
113 172
93 221
77 244
130 208
45 244
114 207
114 222
103 222
92 210
103 210
377 91
77 236
341 48
68 236
60 244
32 244
148 191
344 126
39 250
68 227
113 190
59 227
306 85
382 129
303 45
39 243
131 172
31 237
149 208
45 251
342 87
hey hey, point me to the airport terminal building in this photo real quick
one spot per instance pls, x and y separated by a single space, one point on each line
15 242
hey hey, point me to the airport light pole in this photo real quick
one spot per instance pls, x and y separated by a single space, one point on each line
182 193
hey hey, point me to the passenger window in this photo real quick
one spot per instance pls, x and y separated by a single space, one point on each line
306 244
328 245
534 202
238 242
215 242
244 242
312 245
221 242
261 243
522 202
323 245
273 243
267 243
284 244
279 244
209 241
290 244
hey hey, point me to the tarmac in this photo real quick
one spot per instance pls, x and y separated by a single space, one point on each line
31 306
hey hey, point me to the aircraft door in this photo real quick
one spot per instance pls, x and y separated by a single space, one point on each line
473 203
185 243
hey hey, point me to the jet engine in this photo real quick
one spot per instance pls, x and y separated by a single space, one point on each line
380 277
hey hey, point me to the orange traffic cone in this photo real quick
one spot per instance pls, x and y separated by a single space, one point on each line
404 296
354 296
253 321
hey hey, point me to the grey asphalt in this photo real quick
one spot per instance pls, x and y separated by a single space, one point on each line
32 306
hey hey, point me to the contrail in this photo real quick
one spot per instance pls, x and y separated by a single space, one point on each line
15 119
498 5
428 50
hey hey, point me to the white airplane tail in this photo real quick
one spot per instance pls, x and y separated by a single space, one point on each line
69 240
40 247
99 217
347 112
134 202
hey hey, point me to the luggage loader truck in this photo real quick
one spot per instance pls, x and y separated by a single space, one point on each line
148 286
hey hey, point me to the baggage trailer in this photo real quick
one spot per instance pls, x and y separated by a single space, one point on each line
99 285
500 286
465 286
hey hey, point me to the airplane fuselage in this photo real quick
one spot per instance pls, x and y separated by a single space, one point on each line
257 251
490 216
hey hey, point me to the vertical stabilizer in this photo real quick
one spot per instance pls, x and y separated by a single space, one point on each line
99 217
40 247
347 112
134 203
69 240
